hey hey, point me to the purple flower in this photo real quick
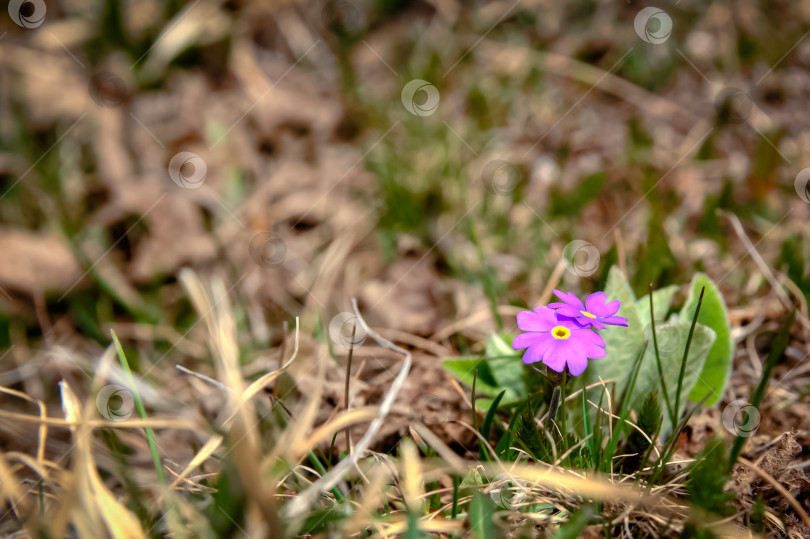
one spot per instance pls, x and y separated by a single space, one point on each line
593 313
555 342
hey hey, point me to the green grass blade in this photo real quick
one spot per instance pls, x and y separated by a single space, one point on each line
482 512
588 431
658 360
150 435
487 425
576 524
686 354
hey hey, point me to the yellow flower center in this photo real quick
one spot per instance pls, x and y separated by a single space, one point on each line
589 315
560 332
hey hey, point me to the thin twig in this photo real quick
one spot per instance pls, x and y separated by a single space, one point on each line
348 379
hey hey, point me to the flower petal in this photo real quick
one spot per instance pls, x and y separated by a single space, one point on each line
541 319
591 337
525 340
555 355
567 310
577 365
614 321
587 322
570 299
537 351
596 304
592 351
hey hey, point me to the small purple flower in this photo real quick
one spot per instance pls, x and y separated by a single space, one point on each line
555 342
593 313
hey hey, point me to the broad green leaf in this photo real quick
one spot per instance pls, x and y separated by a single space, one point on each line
713 313
463 368
623 343
506 365
662 299
672 339
498 347
500 369
482 514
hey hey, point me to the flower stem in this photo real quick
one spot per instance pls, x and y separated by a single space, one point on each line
562 407
553 406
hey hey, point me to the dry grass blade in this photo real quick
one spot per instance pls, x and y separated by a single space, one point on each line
794 503
202 455
301 502
242 436
96 502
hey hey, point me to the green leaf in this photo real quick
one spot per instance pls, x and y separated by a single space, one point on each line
623 344
463 368
662 299
482 513
713 313
672 339
575 525
586 417
708 477
487 426
506 365
637 443
500 369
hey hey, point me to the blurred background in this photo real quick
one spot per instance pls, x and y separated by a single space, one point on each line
444 162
